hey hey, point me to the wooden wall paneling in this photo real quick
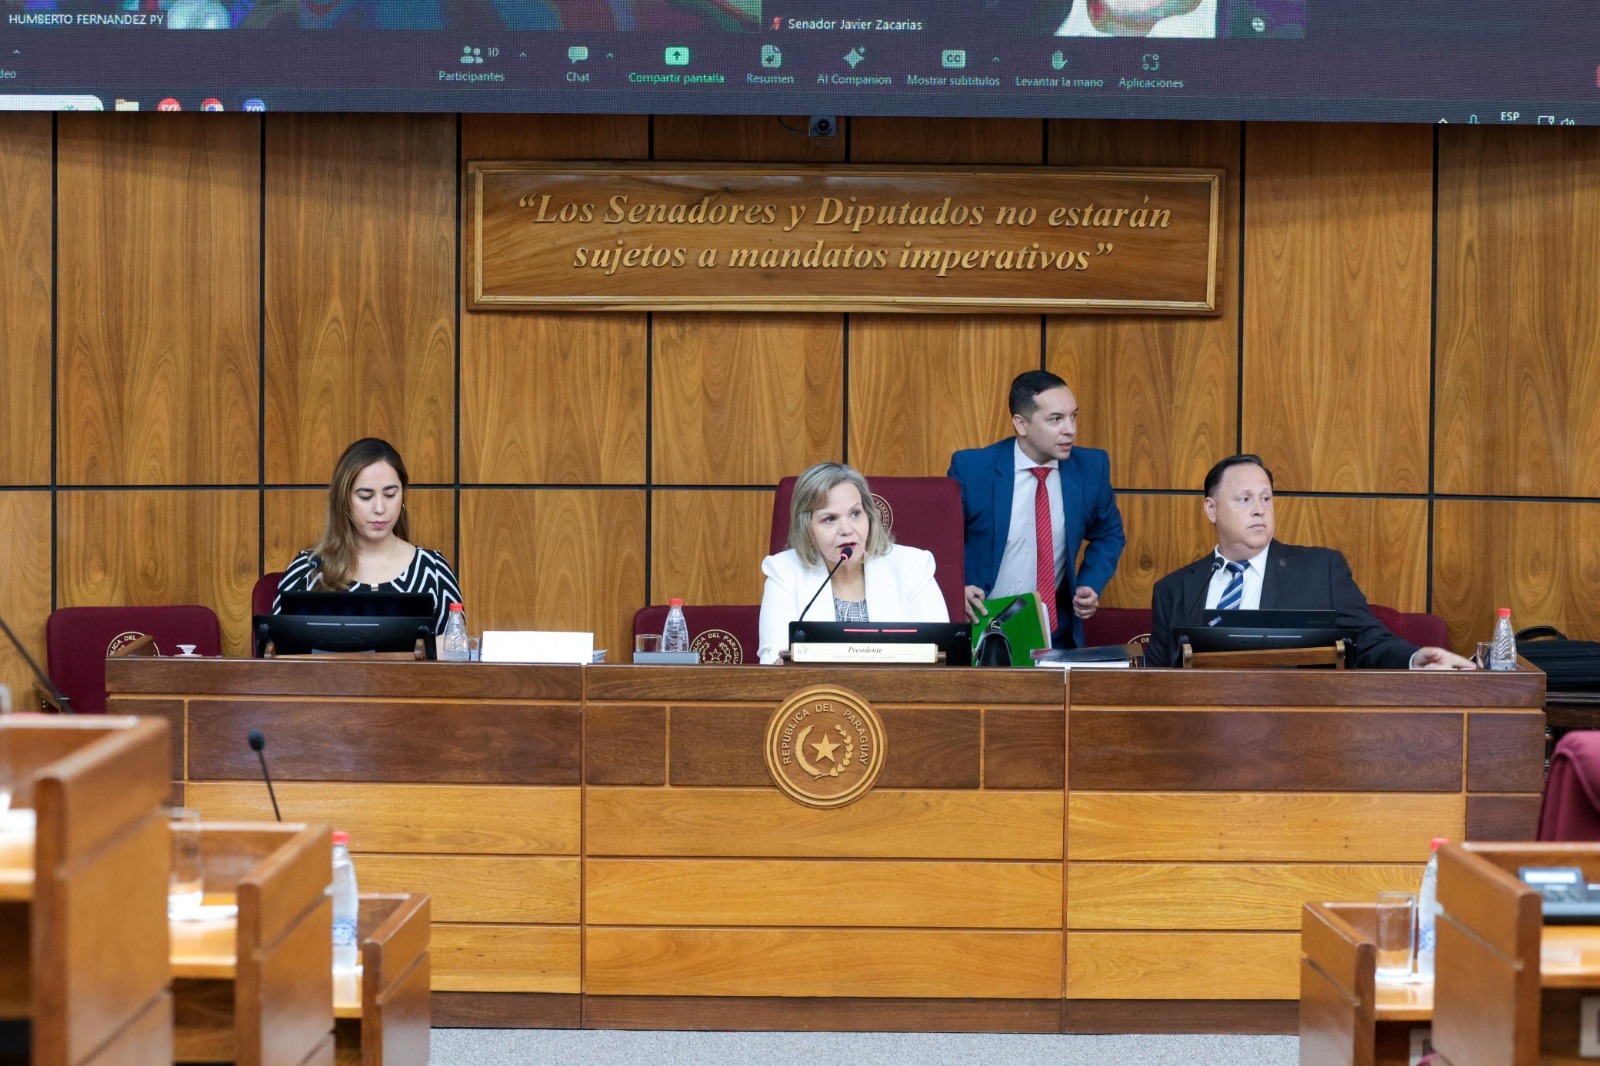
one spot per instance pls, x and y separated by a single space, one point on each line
1160 393
1337 304
24 588
1260 827
742 139
1164 533
27 178
1519 329
466 888
158 299
164 546
552 397
360 284
1145 896
706 545
297 517
822 962
461 819
1540 559
554 559
1385 541
962 895
1183 965
745 399
506 958
923 386
885 823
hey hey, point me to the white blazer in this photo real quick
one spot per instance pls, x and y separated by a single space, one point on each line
900 588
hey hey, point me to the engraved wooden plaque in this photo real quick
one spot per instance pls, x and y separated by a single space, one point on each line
673 237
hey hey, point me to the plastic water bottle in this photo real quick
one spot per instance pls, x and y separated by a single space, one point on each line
453 645
1503 652
675 634
1428 911
346 905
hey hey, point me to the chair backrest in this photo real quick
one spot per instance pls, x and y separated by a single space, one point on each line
264 592
1338 963
79 639
100 862
1116 625
921 512
396 1004
725 636
1423 630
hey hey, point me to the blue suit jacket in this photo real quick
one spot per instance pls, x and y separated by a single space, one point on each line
987 477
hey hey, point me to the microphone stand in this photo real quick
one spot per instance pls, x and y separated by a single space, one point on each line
844 553
60 701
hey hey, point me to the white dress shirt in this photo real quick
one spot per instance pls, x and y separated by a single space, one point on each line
1018 569
1254 574
1201 22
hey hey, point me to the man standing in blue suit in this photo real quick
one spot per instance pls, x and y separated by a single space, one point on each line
1031 502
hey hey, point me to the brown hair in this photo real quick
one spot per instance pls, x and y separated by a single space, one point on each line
336 551
811 492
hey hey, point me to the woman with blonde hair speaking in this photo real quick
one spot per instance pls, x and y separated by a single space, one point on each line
366 545
831 518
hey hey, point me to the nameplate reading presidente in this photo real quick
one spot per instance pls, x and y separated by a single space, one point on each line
673 237
825 746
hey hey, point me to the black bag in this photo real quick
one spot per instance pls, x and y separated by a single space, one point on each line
1569 665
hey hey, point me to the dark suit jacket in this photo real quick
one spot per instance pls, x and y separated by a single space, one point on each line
1297 579
988 477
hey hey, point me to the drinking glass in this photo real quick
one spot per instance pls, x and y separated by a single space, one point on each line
1482 655
647 642
1396 935
186 883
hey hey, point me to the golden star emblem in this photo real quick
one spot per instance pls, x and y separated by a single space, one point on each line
824 749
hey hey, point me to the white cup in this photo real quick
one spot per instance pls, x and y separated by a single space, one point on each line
188 649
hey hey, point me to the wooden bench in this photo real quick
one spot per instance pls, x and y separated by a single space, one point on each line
1346 1017
83 940
258 990
1509 989
386 1021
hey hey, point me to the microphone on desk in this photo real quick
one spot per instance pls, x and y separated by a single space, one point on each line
258 744
44 678
844 553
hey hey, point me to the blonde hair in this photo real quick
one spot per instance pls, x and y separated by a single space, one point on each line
336 551
811 492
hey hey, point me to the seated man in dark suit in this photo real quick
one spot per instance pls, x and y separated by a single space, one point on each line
1249 570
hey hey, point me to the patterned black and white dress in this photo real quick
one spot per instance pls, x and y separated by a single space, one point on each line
428 572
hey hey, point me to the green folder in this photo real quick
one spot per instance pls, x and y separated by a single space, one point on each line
1027 631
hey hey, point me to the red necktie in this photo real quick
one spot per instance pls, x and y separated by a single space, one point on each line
1044 545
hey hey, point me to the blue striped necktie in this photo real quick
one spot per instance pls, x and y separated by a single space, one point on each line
1235 590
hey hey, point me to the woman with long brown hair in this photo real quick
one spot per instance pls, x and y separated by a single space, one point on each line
366 544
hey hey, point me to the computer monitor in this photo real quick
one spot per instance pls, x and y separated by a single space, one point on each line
952 638
1261 630
312 622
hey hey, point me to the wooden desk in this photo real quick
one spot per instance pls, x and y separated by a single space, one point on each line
258 989
92 886
1105 851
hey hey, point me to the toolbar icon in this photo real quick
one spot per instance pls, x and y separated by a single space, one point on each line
675 55
255 103
577 53
169 104
1059 60
854 56
211 103
771 56
953 58
127 105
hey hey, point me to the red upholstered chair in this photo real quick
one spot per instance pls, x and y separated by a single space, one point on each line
1423 630
78 640
1117 625
921 512
724 636
261 597
1571 808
